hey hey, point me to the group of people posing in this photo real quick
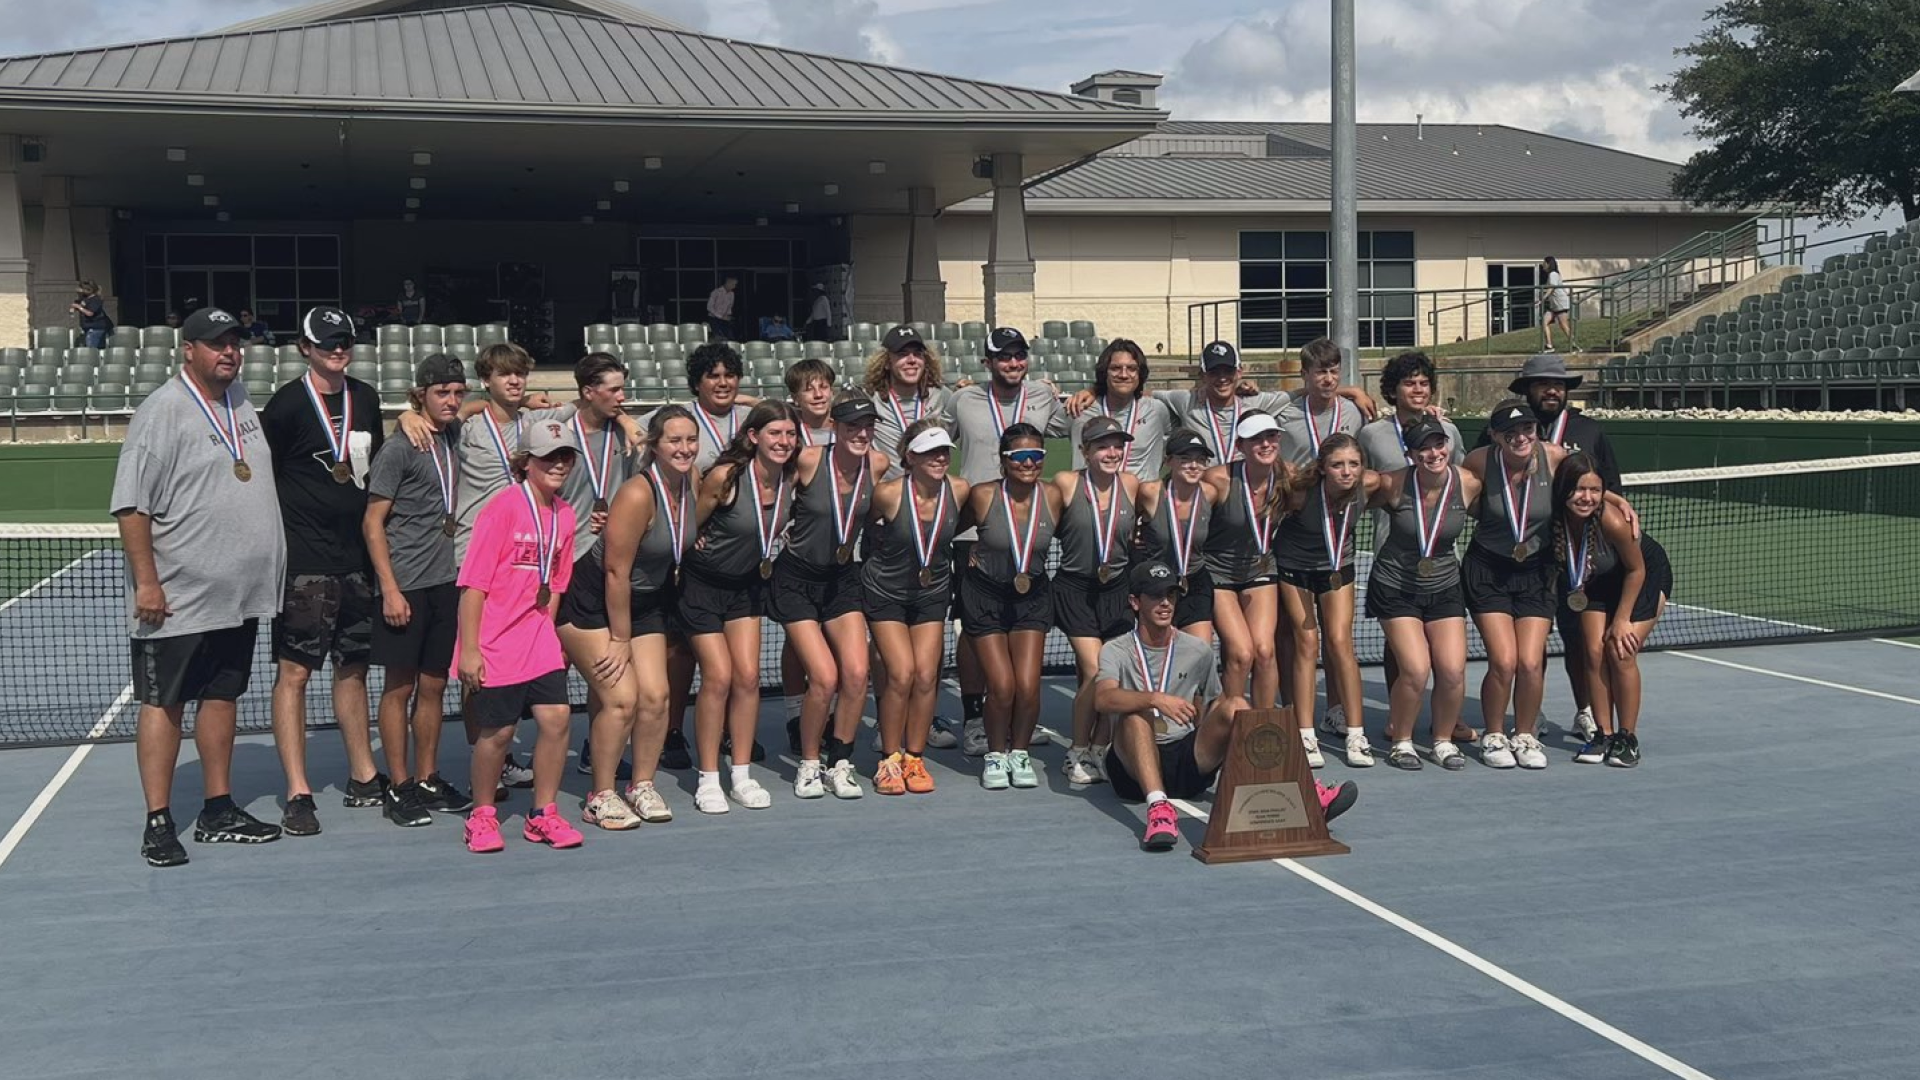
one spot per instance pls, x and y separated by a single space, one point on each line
1206 564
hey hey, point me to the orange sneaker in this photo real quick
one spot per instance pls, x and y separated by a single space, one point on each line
919 781
889 779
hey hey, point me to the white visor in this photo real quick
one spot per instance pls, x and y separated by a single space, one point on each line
1255 426
930 440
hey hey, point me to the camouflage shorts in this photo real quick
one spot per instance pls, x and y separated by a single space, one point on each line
325 615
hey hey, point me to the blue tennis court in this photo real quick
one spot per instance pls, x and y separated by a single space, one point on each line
1733 908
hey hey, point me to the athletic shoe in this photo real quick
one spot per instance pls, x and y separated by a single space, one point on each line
890 776
607 810
548 827
483 831
1359 753
1584 726
1594 751
647 802
233 826
584 763
160 845
1163 827
1624 751
973 739
405 805
1404 756
299 818
1335 801
1311 743
806 782
1020 769
1494 751
1041 737
842 782
1333 721
993 771
675 755
366 792
710 799
1528 753
940 736
914 771
443 797
1448 756
515 775
1097 762
1079 766
750 794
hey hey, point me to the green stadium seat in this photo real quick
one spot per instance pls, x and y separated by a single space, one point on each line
1054 328
489 334
164 337
427 334
672 357
630 334
10 377
52 337
124 337
973 331
863 331
600 337
1081 328
456 334
694 334
843 350
393 334
635 352
946 331
753 349
818 350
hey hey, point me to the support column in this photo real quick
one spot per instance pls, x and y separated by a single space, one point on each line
924 293
1009 268
15 299
55 272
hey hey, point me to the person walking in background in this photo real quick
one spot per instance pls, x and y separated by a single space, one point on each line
199 518
1555 302
92 310
819 316
720 308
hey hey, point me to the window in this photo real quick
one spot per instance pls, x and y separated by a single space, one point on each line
1510 297
278 276
1285 283
679 272
1127 96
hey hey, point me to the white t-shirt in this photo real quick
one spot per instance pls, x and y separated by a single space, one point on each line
1556 292
720 303
822 311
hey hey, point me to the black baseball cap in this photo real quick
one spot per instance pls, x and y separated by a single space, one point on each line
1510 414
1152 579
900 338
1219 354
1416 434
437 369
854 410
1182 443
1103 427
207 324
325 324
1005 341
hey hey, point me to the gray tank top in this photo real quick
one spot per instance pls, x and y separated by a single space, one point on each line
1398 564
1601 558
1165 530
728 546
1493 533
653 559
812 539
993 554
1300 543
1232 553
1081 524
892 567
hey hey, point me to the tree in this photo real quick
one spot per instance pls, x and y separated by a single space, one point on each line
1796 98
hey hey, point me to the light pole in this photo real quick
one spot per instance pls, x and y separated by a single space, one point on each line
1346 236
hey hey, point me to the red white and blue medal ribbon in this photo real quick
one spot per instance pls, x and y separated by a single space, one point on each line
1261 524
676 523
443 470
499 440
766 528
1000 426
1133 412
1103 531
919 408
1578 565
1313 430
1559 435
597 477
923 545
1401 432
544 539
1164 683
1336 539
1183 539
336 446
229 435
1022 546
712 428
1517 515
843 517
1430 534
1224 444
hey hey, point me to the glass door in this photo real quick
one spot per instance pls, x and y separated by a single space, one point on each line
1511 296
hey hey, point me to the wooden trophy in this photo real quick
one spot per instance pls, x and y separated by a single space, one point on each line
1265 806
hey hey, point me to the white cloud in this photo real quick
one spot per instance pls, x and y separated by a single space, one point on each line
836 27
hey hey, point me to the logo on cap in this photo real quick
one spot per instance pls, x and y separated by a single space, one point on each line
216 315
1159 572
554 431
1219 348
330 317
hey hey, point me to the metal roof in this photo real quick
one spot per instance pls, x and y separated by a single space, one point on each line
1911 86
514 59
335 10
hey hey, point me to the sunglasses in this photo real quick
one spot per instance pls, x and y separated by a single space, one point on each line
1020 355
1025 457
336 344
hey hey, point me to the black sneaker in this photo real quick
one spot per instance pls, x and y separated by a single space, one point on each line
160 845
793 736
1624 751
299 818
622 772
366 792
405 805
756 755
674 754
1595 750
233 826
442 797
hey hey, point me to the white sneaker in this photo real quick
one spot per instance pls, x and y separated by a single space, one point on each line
607 810
646 801
710 799
973 740
806 782
1584 726
515 775
1494 751
1528 753
1333 721
940 736
750 794
1041 737
1097 762
1311 742
1079 766
1448 756
993 772
1359 754
841 783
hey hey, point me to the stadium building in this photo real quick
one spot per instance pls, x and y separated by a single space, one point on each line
555 163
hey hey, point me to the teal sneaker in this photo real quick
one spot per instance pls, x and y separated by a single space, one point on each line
1020 769
993 774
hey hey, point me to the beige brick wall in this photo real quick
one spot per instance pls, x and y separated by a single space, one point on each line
14 320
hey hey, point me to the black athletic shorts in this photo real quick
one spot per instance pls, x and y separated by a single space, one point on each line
426 643
505 706
1180 774
803 593
708 604
1492 584
326 615
989 607
1603 592
1317 582
584 604
213 665
1428 605
1196 604
1084 608
926 606
962 556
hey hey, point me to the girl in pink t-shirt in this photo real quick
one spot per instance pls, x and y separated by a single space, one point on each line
519 562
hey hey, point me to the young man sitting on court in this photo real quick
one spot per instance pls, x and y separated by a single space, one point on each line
1174 724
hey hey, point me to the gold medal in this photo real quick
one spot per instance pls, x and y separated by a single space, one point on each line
1183 583
1577 601
449 525
926 577
676 575
1427 567
342 472
1105 573
1022 583
766 569
843 554
599 506
544 596
242 471
1521 551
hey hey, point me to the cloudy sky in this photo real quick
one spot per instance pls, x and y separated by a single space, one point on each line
1580 68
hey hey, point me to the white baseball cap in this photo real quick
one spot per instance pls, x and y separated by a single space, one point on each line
1255 425
930 440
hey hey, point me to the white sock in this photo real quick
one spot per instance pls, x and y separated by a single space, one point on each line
1307 736
1100 751
813 761
1156 795
1404 744
793 705
709 779
741 774
1356 731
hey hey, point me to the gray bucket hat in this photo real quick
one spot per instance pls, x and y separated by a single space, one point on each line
1543 366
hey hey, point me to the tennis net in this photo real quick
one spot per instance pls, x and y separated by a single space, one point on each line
1781 551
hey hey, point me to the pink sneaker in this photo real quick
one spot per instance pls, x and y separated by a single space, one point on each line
548 827
483 831
1335 800
1163 827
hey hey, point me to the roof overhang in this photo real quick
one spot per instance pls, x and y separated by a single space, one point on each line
335 10
1184 207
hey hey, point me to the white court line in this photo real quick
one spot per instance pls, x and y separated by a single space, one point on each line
1795 678
45 798
48 580
1899 644
1486 967
1750 618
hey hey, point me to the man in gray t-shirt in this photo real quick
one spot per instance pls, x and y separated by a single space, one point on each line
205 557
982 411
603 463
